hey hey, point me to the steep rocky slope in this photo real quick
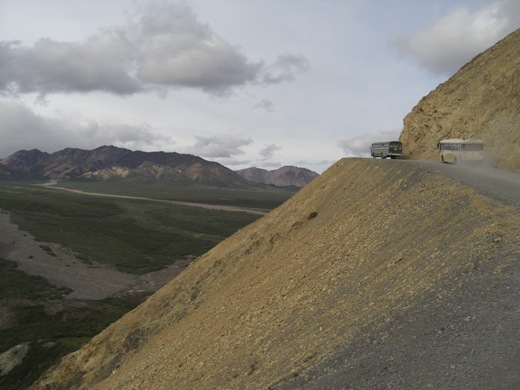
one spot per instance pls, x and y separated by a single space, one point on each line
378 274
481 100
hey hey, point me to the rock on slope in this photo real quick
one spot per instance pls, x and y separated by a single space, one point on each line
382 271
481 100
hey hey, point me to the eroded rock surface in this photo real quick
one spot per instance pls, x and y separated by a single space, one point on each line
482 100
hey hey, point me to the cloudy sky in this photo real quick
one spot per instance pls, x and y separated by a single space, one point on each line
262 83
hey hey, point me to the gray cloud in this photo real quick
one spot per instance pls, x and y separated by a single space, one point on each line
21 127
49 66
269 150
285 68
265 104
459 36
164 46
360 146
218 146
177 50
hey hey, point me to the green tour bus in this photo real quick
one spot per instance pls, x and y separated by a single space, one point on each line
392 149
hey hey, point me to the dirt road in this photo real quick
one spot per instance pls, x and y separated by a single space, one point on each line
52 184
498 184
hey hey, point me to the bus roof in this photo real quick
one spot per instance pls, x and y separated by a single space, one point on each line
386 142
461 141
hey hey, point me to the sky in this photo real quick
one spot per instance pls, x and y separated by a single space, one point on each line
263 83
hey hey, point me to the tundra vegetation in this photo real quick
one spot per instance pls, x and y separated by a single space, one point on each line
133 236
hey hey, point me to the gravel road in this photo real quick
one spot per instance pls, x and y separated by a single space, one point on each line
498 184
466 340
175 202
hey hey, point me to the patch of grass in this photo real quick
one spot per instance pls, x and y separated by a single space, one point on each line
52 336
18 285
132 235
39 358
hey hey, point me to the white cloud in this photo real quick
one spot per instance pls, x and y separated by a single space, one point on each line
285 68
163 47
269 150
20 127
218 146
177 50
50 66
460 35
265 104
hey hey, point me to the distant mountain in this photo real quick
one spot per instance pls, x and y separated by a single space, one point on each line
281 177
4 171
110 163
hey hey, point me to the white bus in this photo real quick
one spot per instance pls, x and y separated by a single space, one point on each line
455 150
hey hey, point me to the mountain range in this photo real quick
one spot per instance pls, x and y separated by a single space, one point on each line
281 177
110 163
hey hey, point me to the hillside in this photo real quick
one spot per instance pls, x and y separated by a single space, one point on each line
481 100
281 177
4 172
378 274
109 163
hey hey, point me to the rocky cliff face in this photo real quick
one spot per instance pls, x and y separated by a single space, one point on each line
281 177
384 271
482 100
